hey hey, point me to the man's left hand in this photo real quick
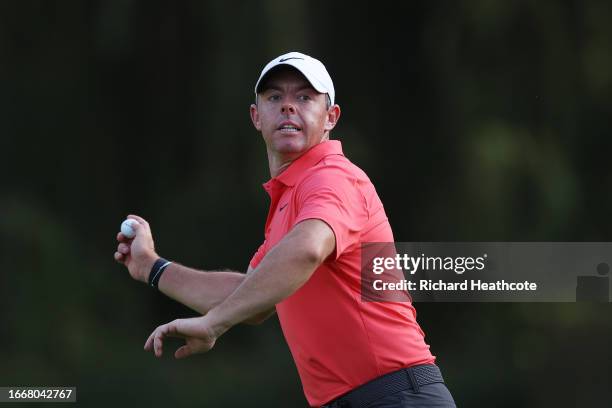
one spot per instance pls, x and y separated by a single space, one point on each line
198 335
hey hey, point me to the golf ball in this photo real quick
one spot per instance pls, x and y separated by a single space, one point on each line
126 228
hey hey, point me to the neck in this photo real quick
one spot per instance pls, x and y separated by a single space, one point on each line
279 162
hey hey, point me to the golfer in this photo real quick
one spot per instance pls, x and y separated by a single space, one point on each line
349 353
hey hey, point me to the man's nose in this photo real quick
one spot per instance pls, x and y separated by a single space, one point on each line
287 107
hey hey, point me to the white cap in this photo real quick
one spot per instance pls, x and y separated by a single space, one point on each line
311 68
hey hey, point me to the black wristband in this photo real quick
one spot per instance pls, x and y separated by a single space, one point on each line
157 270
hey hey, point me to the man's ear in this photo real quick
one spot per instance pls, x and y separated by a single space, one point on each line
255 117
333 114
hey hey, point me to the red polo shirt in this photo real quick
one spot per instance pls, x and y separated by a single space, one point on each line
338 341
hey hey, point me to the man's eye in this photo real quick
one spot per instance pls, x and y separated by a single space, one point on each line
304 97
274 97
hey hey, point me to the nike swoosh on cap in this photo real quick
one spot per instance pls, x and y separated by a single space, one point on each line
287 59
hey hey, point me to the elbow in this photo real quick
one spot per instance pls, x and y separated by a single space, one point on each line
254 321
259 318
312 242
315 255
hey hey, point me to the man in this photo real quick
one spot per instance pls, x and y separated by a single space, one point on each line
348 352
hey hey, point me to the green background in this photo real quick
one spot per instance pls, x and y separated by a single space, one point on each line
476 121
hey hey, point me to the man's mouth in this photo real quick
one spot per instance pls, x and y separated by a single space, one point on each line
289 127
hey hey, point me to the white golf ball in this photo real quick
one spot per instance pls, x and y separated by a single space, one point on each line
126 228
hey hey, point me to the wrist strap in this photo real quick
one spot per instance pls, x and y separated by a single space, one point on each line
157 270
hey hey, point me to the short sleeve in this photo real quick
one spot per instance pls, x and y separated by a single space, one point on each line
258 256
333 197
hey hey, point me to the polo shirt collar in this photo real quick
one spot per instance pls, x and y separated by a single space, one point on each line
294 172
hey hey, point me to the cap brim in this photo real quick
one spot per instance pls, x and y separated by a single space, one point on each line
309 77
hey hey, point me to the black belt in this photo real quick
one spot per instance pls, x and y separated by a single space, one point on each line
410 378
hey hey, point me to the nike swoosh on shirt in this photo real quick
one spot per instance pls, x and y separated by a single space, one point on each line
282 207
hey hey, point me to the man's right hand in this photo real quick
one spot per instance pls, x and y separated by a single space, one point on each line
138 253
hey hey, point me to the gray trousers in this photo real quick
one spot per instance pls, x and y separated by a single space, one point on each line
434 395
420 386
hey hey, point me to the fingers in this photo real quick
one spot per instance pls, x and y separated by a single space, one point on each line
155 342
149 343
136 226
140 226
123 248
140 220
158 345
182 352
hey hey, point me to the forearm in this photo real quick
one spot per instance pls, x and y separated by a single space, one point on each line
279 274
198 290
283 270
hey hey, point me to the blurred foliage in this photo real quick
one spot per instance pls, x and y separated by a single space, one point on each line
479 120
